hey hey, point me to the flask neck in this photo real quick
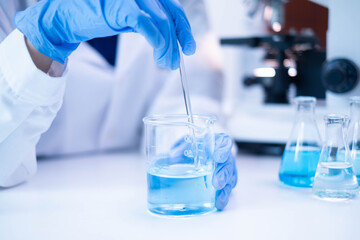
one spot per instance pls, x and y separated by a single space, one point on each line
335 134
355 111
305 110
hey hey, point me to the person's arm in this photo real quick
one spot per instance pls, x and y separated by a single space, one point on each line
40 60
29 100
162 23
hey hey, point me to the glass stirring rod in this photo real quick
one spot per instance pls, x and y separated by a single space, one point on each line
189 114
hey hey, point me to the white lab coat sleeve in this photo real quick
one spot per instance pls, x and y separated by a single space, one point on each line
29 101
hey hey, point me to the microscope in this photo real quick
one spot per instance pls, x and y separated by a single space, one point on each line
340 74
298 66
295 59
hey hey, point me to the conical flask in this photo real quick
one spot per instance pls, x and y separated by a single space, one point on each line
335 178
302 151
353 136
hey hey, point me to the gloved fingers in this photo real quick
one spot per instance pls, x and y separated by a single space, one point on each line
144 25
182 26
234 177
222 197
225 173
223 146
166 56
169 57
222 175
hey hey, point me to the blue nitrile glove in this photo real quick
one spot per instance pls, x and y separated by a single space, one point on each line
56 27
225 174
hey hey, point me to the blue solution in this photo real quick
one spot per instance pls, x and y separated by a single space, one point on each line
356 165
180 189
298 168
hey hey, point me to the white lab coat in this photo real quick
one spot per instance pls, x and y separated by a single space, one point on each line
102 107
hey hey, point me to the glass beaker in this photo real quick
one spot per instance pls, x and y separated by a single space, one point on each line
179 167
353 136
302 151
335 178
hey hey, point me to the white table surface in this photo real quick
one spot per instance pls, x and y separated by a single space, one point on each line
104 197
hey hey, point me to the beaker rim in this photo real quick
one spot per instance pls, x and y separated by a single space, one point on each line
304 99
177 119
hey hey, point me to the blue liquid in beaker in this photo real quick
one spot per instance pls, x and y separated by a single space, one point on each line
180 189
298 167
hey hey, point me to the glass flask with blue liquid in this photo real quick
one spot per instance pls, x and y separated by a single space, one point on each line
335 178
180 164
302 151
353 135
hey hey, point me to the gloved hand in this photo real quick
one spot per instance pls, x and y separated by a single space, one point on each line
225 174
56 27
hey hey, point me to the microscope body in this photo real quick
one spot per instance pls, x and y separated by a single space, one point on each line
340 72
